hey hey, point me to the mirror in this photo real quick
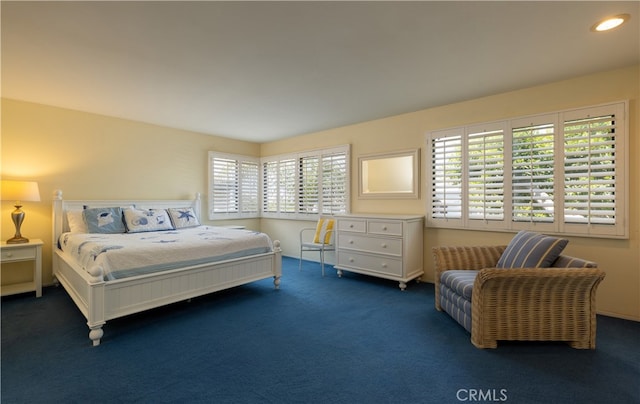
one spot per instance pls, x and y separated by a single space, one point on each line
389 175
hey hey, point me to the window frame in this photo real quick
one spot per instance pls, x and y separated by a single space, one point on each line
445 214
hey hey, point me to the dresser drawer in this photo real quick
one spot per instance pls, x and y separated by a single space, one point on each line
370 244
385 227
354 225
372 263
18 254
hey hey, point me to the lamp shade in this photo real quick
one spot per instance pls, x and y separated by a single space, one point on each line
26 191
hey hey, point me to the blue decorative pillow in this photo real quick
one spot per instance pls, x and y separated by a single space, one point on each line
183 217
531 250
104 220
139 220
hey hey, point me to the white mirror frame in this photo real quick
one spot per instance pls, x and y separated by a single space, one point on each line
389 169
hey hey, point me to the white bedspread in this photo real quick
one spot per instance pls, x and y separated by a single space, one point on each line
123 255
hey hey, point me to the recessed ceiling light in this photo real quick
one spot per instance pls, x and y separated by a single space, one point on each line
610 23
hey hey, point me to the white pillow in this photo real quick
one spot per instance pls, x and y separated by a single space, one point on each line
139 220
75 218
183 217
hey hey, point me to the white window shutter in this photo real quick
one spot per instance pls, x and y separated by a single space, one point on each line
485 175
590 172
225 187
334 181
249 186
270 187
445 194
532 172
309 185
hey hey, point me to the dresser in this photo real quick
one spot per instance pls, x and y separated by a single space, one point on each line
386 246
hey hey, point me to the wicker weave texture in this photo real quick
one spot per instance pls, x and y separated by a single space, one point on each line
528 304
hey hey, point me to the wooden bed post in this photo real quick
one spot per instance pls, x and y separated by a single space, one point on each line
197 206
277 263
57 225
96 318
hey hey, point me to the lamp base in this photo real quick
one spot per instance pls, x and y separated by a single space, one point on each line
17 216
17 240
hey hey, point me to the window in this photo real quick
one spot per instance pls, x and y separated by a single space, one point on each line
562 172
307 184
233 186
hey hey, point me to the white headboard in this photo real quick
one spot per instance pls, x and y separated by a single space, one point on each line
61 206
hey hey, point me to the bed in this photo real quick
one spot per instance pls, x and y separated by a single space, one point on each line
103 291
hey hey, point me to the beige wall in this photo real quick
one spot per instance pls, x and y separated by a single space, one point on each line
91 156
618 295
95 157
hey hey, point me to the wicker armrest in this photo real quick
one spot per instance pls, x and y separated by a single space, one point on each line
463 257
527 285
535 304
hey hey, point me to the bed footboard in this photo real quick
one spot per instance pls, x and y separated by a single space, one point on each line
103 301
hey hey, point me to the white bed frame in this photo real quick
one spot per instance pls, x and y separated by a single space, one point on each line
101 300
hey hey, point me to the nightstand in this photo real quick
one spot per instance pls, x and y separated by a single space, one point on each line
31 251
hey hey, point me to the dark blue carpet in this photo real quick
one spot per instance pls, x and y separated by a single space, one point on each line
317 340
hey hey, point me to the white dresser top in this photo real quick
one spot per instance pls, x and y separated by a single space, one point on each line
379 216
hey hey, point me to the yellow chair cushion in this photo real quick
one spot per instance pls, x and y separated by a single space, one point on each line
322 231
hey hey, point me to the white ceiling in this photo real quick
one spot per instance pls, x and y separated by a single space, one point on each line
262 71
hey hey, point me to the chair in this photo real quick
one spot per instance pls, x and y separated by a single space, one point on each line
322 240
552 303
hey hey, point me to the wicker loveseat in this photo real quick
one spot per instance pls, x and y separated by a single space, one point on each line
555 303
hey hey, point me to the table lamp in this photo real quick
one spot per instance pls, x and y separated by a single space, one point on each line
19 191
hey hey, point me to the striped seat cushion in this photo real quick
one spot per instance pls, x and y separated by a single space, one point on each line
531 250
459 281
458 307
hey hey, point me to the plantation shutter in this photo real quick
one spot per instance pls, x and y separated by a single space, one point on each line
249 186
225 187
270 186
446 177
334 181
532 171
590 169
485 175
308 185
287 194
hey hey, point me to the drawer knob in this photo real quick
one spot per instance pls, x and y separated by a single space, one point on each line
9 255
351 226
351 259
350 241
384 265
383 245
384 228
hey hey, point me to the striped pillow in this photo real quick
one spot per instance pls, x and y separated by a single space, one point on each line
323 234
531 250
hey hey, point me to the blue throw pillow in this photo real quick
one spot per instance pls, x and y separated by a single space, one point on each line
531 250
104 220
